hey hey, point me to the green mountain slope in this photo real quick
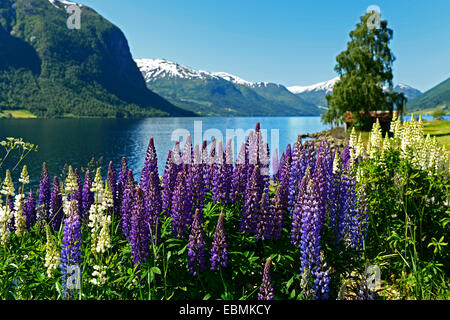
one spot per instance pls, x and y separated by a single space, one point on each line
219 93
437 96
52 70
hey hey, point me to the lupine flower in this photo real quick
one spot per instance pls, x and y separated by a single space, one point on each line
52 255
222 176
123 176
251 208
197 176
44 193
127 205
71 242
181 205
19 217
30 211
296 231
99 276
168 184
196 246
322 280
77 194
139 235
153 205
210 166
277 211
264 221
97 185
71 185
112 181
24 177
276 165
56 209
150 165
219 251
87 196
266 289
239 179
8 185
186 157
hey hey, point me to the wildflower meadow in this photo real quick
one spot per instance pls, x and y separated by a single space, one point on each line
311 223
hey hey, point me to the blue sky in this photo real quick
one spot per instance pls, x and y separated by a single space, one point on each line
290 42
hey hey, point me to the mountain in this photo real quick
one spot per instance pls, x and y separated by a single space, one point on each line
220 93
409 92
437 96
316 93
55 71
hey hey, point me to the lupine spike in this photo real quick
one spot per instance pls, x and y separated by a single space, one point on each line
266 289
196 246
219 251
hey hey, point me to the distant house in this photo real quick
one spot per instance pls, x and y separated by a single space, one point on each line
384 117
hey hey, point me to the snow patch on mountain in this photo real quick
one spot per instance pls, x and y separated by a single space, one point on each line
64 2
321 86
153 69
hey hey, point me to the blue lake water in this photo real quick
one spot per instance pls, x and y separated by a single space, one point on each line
77 141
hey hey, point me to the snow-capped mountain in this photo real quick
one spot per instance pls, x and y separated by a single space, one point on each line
316 93
409 92
64 3
154 69
326 86
220 93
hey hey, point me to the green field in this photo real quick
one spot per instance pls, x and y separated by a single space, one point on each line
23 114
439 129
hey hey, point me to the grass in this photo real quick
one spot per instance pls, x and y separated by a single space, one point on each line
22 114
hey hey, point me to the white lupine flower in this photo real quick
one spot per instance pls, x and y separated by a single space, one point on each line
5 218
108 199
336 162
103 241
99 222
8 186
97 184
19 218
99 275
71 184
24 176
375 140
52 256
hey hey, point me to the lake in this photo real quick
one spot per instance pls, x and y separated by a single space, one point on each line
77 141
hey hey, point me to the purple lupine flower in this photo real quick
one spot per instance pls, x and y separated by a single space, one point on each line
186 157
346 156
277 212
44 194
87 196
153 204
296 230
30 211
239 179
277 164
322 281
310 229
150 165
264 219
112 181
77 194
266 289
223 174
219 251
250 211
197 176
139 234
196 246
352 215
71 242
168 183
181 205
127 205
56 210
122 182
210 166
320 184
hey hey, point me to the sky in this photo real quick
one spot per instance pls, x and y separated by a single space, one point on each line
289 42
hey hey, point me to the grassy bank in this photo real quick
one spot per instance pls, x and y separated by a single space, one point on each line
18 114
